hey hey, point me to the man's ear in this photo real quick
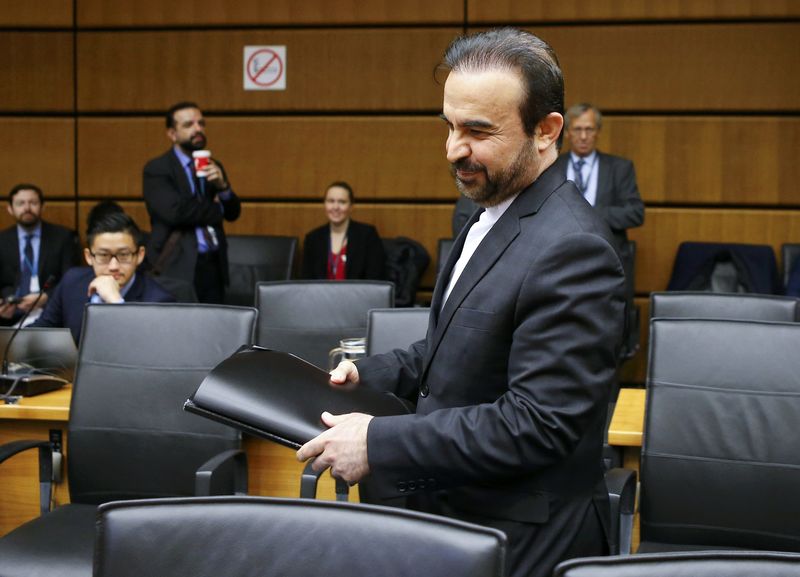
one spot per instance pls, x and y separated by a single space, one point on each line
140 256
172 135
10 210
88 256
547 130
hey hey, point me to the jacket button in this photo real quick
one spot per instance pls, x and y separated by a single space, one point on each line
424 390
401 487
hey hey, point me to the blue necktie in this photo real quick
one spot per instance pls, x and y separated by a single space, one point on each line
578 168
27 268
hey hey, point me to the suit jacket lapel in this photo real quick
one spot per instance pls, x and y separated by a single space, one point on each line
486 255
179 173
452 258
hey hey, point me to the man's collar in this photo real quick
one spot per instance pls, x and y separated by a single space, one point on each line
22 232
589 158
182 156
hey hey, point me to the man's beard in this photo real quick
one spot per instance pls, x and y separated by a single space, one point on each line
500 186
28 220
198 142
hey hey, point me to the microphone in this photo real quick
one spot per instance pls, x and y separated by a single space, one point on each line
47 284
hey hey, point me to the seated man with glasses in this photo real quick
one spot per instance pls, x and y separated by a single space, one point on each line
115 251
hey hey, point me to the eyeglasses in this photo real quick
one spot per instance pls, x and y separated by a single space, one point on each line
123 257
588 130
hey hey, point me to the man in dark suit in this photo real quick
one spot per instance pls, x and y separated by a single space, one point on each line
512 380
114 251
608 182
187 208
31 252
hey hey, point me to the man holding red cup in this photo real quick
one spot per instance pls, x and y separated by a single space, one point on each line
188 197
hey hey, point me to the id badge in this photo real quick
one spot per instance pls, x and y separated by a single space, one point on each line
35 284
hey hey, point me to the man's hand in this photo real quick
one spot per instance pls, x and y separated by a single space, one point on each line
105 286
344 373
27 301
343 447
215 176
7 310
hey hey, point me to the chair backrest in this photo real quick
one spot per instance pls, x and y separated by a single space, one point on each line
790 252
389 329
137 363
694 564
257 258
243 537
309 318
733 306
444 246
720 453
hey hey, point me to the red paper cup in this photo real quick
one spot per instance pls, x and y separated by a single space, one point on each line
201 160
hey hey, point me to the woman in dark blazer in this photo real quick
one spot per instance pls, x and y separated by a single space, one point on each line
343 248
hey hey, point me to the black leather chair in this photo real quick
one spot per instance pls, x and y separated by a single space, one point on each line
790 252
257 258
309 318
695 564
721 455
732 306
243 537
128 437
443 248
389 329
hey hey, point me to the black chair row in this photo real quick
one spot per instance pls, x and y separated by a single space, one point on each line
720 463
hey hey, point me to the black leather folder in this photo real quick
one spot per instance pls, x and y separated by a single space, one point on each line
280 397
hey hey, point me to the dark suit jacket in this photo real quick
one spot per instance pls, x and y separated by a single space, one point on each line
366 259
618 200
513 379
169 200
58 252
65 307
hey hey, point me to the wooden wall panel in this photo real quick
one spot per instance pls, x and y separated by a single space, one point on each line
284 157
710 160
424 223
113 151
58 212
713 67
665 228
42 13
40 151
276 12
516 11
36 74
345 69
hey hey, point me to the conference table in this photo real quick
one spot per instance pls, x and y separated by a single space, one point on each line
273 469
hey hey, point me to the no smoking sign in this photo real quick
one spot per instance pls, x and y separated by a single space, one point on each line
265 67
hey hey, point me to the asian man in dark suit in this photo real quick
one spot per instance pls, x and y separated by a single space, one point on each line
607 182
512 381
187 209
30 252
113 253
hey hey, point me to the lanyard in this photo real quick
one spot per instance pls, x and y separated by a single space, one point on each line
335 259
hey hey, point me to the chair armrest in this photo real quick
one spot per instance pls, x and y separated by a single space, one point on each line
308 484
621 486
227 465
45 466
